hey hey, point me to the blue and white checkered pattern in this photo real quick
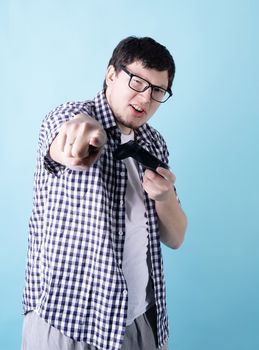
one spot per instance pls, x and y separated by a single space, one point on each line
74 274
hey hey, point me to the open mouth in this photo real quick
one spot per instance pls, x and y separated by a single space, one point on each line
137 108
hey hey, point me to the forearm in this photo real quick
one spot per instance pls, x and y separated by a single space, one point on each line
172 221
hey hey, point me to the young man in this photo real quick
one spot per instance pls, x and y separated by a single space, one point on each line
94 277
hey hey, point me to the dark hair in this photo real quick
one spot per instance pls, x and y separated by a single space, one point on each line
146 50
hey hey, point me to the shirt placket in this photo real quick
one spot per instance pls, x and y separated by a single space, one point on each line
119 227
118 221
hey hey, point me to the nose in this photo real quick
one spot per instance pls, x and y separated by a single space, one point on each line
146 95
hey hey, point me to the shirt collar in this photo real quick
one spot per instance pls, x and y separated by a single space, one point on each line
103 111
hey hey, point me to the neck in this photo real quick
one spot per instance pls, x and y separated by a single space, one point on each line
124 129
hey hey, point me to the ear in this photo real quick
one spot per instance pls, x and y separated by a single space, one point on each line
110 75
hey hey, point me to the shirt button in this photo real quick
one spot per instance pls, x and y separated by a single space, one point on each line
120 233
125 292
121 202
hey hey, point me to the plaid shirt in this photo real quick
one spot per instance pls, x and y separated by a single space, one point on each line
74 276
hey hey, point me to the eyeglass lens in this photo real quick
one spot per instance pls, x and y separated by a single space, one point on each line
140 85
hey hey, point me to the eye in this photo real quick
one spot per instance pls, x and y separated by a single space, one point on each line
159 91
137 80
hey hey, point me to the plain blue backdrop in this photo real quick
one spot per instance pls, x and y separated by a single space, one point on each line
53 51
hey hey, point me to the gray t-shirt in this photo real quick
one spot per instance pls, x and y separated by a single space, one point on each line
136 264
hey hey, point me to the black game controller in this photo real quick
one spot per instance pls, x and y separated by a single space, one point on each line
134 150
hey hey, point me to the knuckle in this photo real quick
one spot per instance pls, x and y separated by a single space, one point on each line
63 129
76 154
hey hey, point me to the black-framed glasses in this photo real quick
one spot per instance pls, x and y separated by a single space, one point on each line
139 84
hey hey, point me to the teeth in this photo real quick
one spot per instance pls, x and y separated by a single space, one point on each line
139 109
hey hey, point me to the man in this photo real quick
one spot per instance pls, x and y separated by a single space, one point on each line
94 277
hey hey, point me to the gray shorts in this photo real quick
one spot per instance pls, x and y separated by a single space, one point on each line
37 334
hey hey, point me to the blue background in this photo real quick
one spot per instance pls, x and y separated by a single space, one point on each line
53 51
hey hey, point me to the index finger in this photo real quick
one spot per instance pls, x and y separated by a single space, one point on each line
97 138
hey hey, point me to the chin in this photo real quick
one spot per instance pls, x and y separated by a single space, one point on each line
134 125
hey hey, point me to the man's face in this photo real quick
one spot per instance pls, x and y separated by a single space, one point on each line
131 108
